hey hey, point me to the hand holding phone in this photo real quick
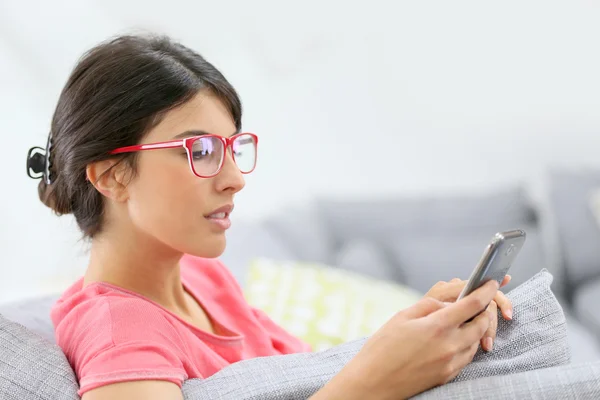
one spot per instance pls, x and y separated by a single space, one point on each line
496 260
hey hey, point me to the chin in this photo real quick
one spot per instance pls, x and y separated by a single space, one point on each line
212 247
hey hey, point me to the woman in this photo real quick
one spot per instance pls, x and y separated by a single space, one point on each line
146 150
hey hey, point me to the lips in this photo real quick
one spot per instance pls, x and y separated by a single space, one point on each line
218 215
219 218
221 212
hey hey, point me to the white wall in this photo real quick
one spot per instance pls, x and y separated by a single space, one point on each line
349 100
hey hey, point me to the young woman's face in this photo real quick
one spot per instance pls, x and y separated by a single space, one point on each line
167 201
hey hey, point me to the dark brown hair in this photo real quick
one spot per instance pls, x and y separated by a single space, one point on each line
116 93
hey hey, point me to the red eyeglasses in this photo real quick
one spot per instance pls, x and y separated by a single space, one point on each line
206 153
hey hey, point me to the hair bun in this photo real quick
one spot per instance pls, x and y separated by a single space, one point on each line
55 196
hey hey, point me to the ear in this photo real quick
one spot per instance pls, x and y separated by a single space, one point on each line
108 177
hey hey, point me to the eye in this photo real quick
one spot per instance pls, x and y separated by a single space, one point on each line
205 149
201 154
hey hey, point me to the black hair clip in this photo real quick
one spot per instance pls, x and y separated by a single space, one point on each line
38 162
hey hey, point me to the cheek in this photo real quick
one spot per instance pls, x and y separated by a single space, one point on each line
166 199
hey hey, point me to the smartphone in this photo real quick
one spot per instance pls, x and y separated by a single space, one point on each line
496 260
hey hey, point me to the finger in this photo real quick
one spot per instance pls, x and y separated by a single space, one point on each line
450 291
487 342
506 280
422 308
504 304
469 306
473 332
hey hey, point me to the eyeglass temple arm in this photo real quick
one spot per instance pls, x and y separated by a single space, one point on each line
152 146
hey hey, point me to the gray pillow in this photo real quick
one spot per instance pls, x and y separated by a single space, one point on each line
33 368
536 338
568 382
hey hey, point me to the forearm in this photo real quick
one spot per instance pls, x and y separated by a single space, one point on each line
351 383
343 386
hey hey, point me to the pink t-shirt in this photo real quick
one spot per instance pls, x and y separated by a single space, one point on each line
113 335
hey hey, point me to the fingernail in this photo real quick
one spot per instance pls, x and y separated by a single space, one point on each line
509 313
489 344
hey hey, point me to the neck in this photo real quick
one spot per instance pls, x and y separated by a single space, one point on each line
138 263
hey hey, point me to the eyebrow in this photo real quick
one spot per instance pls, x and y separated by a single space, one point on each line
191 133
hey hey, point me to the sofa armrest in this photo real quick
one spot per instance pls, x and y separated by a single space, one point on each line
573 381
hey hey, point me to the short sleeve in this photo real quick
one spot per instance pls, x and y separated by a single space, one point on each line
114 338
132 361
283 342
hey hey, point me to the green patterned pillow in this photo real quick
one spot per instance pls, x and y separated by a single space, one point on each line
322 305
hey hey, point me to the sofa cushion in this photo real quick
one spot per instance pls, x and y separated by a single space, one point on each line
322 305
587 306
33 314
440 238
584 344
570 193
247 240
369 258
594 204
303 231
426 259
382 218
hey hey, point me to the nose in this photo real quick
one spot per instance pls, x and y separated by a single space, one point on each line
229 178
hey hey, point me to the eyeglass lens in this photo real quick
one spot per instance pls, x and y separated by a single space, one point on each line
207 154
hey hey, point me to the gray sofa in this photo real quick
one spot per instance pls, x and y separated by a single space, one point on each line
530 360
418 241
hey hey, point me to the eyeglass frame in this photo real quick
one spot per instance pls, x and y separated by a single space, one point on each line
187 144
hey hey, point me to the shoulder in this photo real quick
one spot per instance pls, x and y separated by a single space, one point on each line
100 317
110 336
